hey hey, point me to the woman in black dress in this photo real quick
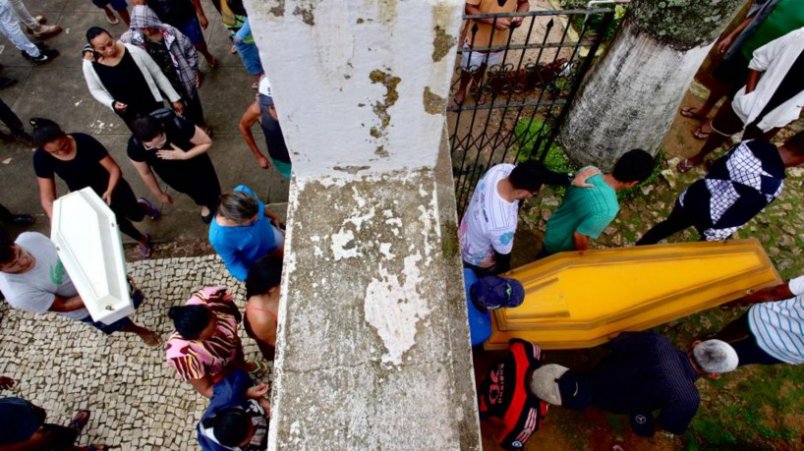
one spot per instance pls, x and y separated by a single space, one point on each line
176 149
81 161
125 78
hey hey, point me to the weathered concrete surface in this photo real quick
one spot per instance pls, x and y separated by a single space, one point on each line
360 86
375 350
632 96
373 339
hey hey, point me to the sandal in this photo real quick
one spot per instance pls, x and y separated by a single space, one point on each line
147 248
152 212
152 339
692 113
685 165
80 419
701 134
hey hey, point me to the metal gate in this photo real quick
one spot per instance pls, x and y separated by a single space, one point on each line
520 73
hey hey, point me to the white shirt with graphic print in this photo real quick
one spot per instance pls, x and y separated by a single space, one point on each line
489 223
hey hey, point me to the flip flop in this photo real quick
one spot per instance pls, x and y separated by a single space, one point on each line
147 248
260 368
153 339
692 113
80 419
701 134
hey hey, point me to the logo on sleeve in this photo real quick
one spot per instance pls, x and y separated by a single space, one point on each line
57 273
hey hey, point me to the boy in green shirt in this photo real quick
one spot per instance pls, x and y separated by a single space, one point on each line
585 213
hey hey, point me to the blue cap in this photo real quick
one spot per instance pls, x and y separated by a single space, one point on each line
492 292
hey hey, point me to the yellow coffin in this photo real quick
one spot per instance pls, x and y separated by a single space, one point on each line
577 299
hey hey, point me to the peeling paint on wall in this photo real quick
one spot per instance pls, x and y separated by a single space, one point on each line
394 308
433 103
306 14
442 43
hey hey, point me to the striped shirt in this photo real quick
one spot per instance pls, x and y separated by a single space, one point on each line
779 326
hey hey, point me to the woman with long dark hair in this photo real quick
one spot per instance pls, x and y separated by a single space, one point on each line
81 161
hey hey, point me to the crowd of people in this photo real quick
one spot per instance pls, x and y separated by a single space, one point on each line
761 74
150 76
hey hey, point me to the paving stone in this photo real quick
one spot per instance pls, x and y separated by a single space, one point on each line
136 401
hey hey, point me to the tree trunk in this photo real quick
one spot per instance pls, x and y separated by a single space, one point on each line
630 98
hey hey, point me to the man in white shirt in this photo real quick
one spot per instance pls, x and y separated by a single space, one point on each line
488 226
33 279
770 332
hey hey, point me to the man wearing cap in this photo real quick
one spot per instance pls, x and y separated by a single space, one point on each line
485 294
772 330
644 372
487 229
505 395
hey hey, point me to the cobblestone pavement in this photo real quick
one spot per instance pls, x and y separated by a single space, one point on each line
137 402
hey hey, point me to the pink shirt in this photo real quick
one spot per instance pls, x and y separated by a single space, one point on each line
193 359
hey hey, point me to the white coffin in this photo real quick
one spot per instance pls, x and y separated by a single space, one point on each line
88 242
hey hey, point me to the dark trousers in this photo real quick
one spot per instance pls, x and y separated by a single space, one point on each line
676 222
5 215
127 209
59 437
8 117
193 109
738 334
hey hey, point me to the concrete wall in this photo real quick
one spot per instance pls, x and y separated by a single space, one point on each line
373 339
358 84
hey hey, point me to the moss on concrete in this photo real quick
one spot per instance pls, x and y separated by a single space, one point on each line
683 24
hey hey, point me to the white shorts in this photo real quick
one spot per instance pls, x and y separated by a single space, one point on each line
472 60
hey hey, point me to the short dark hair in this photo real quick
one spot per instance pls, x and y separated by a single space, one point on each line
94 32
528 176
190 320
795 143
146 128
636 165
45 131
264 275
231 426
6 247
238 206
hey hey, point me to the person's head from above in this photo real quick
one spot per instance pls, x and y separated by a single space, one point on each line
49 136
264 277
493 292
193 322
711 358
526 179
14 259
557 385
633 168
239 208
792 151
150 132
232 427
102 42
145 20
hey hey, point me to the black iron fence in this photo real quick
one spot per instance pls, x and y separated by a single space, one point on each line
515 80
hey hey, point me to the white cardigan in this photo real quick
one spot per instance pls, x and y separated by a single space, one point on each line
774 60
150 71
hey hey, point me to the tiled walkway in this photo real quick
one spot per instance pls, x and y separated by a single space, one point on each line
137 402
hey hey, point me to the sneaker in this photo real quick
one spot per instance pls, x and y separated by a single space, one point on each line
6 82
150 208
45 56
47 31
